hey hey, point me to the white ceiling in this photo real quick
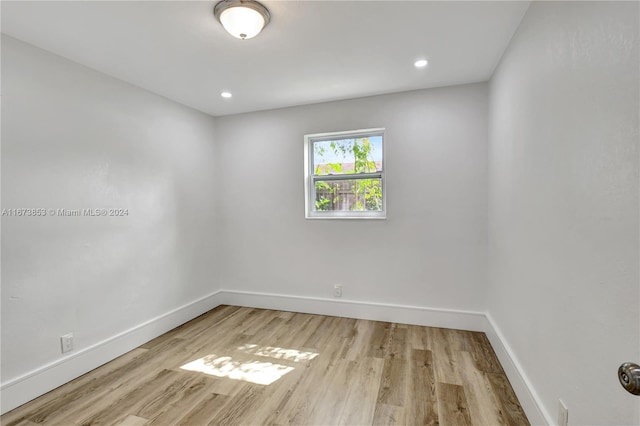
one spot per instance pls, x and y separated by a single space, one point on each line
312 51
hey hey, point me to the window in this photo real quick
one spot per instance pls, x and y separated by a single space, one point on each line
344 175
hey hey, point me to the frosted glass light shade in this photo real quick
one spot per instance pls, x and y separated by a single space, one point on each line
242 22
242 18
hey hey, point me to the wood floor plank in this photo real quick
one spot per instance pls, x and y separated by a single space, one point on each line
204 323
446 363
510 409
360 406
359 340
389 415
330 406
219 385
398 346
270 403
177 390
221 334
197 325
285 315
200 389
133 401
346 327
256 321
452 405
392 384
24 422
51 401
460 340
421 402
419 337
132 420
483 406
204 412
236 410
236 365
80 399
483 355
379 340
302 327
312 386
322 333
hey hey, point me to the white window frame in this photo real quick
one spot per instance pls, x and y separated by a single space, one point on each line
309 179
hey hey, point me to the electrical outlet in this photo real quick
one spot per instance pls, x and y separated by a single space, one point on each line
337 290
66 342
563 414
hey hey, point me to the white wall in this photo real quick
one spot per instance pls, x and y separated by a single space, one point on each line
431 249
75 138
563 205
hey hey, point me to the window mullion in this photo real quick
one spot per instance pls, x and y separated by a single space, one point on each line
358 176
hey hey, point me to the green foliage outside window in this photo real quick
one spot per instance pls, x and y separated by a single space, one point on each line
347 157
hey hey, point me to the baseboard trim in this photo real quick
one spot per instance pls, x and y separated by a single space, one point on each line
405 314
528 397
20 390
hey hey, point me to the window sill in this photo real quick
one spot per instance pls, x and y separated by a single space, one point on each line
347 217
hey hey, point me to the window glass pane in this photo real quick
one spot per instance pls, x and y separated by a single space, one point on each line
347 156
349 195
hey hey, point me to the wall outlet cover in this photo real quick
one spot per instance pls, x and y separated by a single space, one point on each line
66 342
337 290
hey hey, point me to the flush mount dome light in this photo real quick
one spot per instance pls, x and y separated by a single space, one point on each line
242 18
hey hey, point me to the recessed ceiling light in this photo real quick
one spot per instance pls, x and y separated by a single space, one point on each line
420 63
226 95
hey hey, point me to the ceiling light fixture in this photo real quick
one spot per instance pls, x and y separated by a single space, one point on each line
226 95
242 18
420 63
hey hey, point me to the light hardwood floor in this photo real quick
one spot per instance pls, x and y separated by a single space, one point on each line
324 370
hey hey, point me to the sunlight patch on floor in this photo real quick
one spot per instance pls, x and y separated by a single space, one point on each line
278 353
261 373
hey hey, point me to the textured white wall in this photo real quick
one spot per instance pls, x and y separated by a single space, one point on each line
563 204
431 249
74 138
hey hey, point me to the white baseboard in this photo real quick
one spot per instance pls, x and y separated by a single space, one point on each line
405 314
528 397
16 392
